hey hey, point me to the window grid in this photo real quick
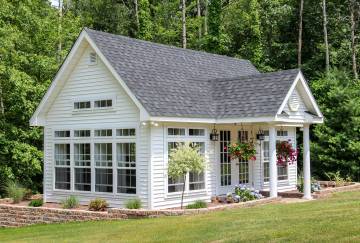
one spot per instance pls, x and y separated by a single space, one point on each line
126 132
103 133
79 105
174 184
225 160
176 131
82 133
62 166
243 165
62 134
196 132
102 103
197 180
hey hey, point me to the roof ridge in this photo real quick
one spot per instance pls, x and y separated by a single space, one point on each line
167 46
253 75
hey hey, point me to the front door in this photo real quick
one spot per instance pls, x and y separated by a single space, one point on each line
232 171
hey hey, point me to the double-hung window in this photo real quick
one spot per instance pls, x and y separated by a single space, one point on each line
103 167
62 166
197 180
126 167
82 164
177 136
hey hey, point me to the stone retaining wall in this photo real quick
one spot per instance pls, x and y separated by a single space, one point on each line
15 216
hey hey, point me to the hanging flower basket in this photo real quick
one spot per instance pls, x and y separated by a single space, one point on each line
244 151
286 154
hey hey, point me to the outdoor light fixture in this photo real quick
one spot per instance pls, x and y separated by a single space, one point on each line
260 135
214 136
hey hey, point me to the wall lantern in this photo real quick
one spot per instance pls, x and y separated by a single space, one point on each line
260 135
214 136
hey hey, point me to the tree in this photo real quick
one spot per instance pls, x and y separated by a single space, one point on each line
300 31
184 159
183 21
336 142
353 13
327 55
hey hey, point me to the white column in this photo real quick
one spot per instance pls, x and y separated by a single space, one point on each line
306 162
273 164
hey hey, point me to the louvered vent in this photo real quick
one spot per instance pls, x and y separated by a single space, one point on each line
92 58
294 102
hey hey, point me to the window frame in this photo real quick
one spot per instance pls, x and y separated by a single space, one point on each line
182 139
62 166
92 140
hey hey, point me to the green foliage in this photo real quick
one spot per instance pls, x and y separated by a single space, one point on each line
197 204
336 177
184 159
98 204
133 203
36 203
70 202
15 191
336 146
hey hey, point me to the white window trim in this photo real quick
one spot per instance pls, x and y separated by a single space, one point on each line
92 100
92 140
184 138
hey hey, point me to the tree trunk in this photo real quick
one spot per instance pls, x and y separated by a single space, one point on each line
300 31
137 21
206 18
2 109
183 9
199 16
327 55
183 191
59 32
353 38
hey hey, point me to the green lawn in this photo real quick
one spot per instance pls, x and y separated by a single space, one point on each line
328 220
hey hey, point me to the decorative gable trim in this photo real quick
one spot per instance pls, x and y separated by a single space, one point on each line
38 118
300 79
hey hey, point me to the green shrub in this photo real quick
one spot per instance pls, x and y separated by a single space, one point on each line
98 204
36 203
15 191
133 204
197 204
70 202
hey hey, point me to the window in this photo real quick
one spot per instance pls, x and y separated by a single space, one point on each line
82 163
174 184
126 163
79 105
62 166
62 134
243 165
282 133
103 133
102 103
196 132
82 133
225 160
266 161
282 170
197 180
176 131
127 132
103 167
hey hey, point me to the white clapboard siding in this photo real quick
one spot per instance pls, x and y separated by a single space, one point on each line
94 82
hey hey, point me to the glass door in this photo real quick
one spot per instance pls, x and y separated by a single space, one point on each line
244 166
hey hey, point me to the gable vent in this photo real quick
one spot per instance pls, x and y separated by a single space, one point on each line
92 58
294 102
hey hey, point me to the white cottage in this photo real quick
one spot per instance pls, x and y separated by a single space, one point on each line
118 105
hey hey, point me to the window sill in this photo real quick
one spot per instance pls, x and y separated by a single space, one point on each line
94 110
97 193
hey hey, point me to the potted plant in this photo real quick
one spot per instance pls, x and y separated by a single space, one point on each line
244 151
285 153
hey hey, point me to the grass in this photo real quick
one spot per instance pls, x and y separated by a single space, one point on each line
335 219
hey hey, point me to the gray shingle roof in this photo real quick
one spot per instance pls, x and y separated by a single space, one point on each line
176 82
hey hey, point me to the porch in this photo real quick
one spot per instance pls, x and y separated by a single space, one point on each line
263 173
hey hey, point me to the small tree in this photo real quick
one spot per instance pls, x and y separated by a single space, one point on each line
183 159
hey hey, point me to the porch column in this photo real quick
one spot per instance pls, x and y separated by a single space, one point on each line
306 162
272 164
